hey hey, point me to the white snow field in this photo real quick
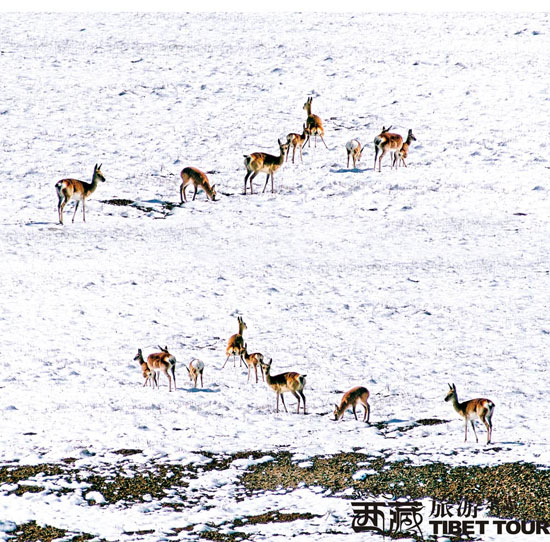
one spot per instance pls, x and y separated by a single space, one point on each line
402 281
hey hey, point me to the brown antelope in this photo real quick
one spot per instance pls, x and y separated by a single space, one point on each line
297 140
196 367
386 142
261 162
314 125
353 148
474 408
285 382
71 189
235 345
253 360
163 362
194 176
148 375
353 397
404 151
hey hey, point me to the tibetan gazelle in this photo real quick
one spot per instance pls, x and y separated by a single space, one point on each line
285 382
474 408
79 191
297 140
148 374
235 345
386 142
194 176
261 162
163 362
353 148
404 151
314 125
252 361
195 369
356 396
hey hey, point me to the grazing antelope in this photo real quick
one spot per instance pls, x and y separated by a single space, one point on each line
196 367
314 125
261 162
163 362
297 140
148 375
474 408
253 360
404 151
353 148
71 189
353 397
386 142
285 382
235 345
194 176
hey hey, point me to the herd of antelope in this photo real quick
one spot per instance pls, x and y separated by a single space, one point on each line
259 162
255 163
294 383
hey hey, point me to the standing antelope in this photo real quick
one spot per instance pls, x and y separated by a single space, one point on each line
196 367
386 142
235 345
353 397
148 375
163 362
404 151
297 140
353 148
314 124
253 360
285 382
261 162
71 189
194 176
474 408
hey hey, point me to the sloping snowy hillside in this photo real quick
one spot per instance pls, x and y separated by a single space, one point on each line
402 281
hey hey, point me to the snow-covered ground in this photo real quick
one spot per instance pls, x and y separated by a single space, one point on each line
401 281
